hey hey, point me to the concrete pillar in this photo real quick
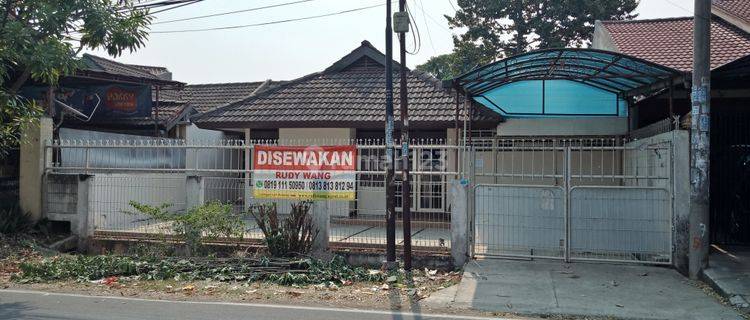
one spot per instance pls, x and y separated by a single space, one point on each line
681 199
32 167
321 219
459 223
194 192
83 225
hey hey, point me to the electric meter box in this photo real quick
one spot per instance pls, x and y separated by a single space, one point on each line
401 22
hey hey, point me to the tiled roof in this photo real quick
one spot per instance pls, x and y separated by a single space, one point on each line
737 8
154 70
113 67
349 93
670 41
206 97
109 67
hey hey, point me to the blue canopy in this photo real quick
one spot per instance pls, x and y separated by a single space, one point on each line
564 82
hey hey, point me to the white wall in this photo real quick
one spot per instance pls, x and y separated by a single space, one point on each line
602 38
592 126
307 136
110 196
210 158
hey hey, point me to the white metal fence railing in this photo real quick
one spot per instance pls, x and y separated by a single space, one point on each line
155 172
587 199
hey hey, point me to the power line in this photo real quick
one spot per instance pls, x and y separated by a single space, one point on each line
454 7
177 6
679 6
233 12
271 22
424 18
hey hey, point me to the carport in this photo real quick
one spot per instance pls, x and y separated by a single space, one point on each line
565 82
594 197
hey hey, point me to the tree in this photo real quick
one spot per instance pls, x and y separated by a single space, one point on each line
464 58
40 40
497 29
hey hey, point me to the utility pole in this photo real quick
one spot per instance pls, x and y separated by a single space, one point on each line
390 182
402 27
699 139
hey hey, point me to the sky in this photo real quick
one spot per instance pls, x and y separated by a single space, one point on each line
290 50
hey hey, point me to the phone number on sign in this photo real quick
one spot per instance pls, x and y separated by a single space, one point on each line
308 185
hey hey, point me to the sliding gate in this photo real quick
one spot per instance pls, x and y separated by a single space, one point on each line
589 199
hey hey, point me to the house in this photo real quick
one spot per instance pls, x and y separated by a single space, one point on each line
172 103
344 101
669 42
343 104
84 100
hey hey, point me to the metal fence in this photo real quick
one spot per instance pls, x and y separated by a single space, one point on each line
155 172
573 199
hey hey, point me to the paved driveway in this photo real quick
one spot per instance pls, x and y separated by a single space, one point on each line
550 287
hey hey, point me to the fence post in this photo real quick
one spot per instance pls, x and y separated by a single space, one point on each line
459 223
567 178
32 165
194 192
83 227
681 205
321 220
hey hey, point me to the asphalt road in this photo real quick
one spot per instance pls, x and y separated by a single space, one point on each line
20 304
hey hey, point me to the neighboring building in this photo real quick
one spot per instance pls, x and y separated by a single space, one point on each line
159 118
172 102
669 42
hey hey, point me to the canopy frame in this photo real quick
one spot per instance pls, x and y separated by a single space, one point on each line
623 75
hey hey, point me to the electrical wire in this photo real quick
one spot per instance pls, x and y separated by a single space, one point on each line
271 22
427 26
454 7
416 36
233 12
177 6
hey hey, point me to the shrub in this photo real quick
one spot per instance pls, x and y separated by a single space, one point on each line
13 220
289 236
209 221
279 271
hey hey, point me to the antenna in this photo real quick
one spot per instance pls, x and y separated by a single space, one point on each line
77 113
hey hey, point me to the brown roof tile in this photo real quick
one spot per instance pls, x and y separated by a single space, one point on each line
670 41
737 8
349 93
206 97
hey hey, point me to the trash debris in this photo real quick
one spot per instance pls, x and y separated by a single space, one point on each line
391 279
188 289
110 281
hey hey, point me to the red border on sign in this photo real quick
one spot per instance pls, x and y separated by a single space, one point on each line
308 158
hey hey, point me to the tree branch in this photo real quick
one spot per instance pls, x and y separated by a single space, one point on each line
20 81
